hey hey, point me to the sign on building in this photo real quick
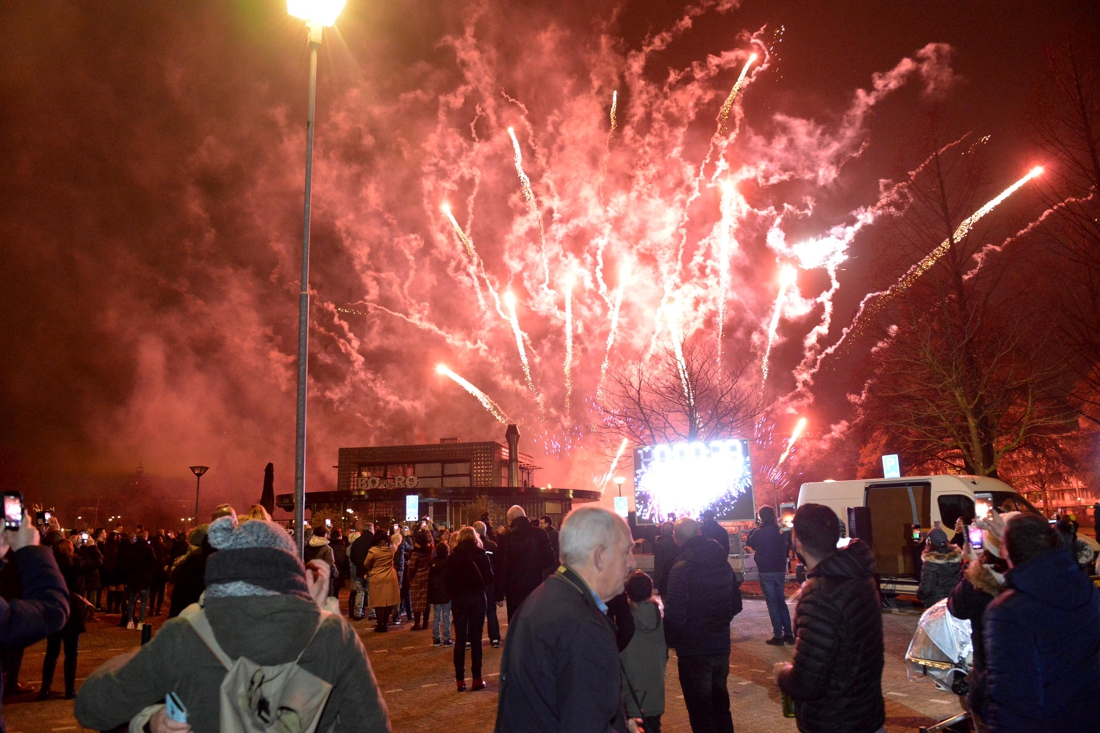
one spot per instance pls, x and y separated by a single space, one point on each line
891 466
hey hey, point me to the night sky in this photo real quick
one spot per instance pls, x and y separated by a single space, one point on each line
150 214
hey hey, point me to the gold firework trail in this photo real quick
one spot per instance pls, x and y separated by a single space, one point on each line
510 301
727 106
532 204
483 398
786 280
624 275
790 443
568 342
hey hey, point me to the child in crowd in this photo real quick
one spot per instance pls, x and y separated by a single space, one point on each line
644 659
439 598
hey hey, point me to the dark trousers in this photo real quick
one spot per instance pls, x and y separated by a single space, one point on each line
382 614
13 661
156 599
70 638
512 602
492 623
652 724
468 613
703 681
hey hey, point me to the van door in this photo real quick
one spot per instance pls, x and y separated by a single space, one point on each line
895 506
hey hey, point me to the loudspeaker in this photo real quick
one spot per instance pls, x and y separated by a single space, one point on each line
859 524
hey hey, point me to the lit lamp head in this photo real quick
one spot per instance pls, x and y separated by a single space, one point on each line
316 13
199 470
619 481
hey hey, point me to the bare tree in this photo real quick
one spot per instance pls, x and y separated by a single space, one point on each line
679 394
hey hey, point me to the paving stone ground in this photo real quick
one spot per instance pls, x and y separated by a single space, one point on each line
417 680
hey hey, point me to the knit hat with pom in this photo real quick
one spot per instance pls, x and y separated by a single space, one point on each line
256 558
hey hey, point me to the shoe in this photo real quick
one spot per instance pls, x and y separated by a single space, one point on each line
495 643
448 642
130 626
436 642
775 641
462 685
43 695
478 684
18 689
788 639
416 627
70 694
469 645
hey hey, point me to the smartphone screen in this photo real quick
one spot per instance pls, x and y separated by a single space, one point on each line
982 504
328 522
83 536
975 536
13 510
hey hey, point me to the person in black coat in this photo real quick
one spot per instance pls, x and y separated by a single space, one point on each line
770 549
665 552
835 679
140 565
622 618
439 598
547 525
560 666
702 599
492 622
75 569
714 531
1042 638
467 575
43 608
522 560
189 577
357 557
941 565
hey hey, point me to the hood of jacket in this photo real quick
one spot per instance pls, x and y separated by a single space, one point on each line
854 562
316 541
949 554
703 551
647 616
266 629
985 578
1052 579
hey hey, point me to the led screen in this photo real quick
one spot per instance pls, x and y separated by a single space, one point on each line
686 479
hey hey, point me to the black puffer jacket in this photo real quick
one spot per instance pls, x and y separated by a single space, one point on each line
977 588
836 677
703 597
523 558
939 573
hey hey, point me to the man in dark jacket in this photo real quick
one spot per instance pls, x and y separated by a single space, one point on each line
547 524
43 608
665 552
560 666
360 591
1042 638
140 567
714 531
523 558
836 677
770 548
702 599
189 577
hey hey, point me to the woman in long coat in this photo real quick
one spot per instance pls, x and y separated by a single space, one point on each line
416 576
385 593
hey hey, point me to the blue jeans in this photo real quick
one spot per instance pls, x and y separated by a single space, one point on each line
441 621
131 599
360 588
772 585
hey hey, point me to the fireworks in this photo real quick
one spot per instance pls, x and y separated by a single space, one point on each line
723 116
614 462
787 278
532 204
483 398
614 121
624 275
790 443
568 341
510 301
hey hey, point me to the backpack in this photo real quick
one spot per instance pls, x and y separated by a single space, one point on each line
282 698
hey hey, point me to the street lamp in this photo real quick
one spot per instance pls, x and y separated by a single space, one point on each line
317 14
619 480
198 471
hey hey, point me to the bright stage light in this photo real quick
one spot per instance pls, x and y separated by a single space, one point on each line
315 11
686 479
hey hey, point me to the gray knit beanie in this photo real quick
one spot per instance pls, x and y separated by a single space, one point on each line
257 558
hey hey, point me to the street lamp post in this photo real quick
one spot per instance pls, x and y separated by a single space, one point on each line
198 471
317 14
619 480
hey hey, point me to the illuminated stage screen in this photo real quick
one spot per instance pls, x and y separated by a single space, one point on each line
686 479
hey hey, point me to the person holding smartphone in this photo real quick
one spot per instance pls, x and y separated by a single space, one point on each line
43 608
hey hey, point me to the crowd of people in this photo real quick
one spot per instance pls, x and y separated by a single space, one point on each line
257 638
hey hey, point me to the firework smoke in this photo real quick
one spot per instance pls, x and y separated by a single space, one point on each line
568 341
532 204
483 398
624 275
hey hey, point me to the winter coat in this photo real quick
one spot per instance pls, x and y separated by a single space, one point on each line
770 548
357 553
1042 644
399 550
468 572
140 565
523 558
665 552
318 548
91 551
188 578
703 597
977 588
437 587
714 531
416 577
268 630
618 610
560 667
75 570
644 661
939 573
555 543
836 675
384 590
109 573
340 562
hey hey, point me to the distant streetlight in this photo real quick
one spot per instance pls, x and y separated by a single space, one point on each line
198 471
317 14
619 480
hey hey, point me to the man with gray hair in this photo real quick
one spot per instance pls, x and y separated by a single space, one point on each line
560 667
522 560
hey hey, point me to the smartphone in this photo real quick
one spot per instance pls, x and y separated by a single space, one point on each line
83 536
983 502
174 709
974 534
13 510
328 522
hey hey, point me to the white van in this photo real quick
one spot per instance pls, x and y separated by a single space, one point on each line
898 505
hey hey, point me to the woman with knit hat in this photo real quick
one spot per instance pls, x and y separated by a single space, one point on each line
981 582
258 606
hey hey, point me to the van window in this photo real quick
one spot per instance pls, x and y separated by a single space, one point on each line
953 506
893 507
1007 501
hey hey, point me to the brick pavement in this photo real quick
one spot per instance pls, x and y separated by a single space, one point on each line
417 680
